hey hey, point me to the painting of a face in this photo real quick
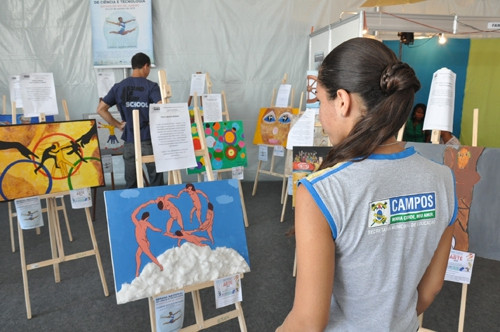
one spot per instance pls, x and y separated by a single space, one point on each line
275 125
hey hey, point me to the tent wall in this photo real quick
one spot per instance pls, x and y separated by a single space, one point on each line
246 46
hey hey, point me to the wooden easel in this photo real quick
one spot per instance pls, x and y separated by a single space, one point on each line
57 249
271 170
225 114
61 207
56 244
201 323
435 136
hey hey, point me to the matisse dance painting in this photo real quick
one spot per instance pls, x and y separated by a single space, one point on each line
165 238
46 158
226 145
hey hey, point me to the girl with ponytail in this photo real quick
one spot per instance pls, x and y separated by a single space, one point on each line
373 225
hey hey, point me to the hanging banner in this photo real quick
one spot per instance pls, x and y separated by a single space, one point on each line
120 29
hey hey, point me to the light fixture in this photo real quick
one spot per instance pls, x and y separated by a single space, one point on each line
365 26
442 39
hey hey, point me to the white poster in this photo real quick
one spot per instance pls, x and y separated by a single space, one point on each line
441 103
15 90
29 212
171 137
169 312
212 107
283 95
197 84
459 267
120 29
80 198
39 94
227 291
105 81
302 131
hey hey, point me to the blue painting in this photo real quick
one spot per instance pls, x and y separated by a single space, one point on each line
168 237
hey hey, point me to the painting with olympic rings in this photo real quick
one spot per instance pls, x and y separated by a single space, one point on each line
45 158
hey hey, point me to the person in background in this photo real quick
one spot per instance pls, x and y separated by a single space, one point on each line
134 92
374 224
448 138
414 126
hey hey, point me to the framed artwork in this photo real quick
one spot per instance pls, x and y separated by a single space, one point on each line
46 158
306 160
165 238
110 140
273 125
226 145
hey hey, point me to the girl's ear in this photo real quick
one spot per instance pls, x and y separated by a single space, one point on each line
344 100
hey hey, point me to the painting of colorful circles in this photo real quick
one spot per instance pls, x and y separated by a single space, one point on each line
46 158
225 143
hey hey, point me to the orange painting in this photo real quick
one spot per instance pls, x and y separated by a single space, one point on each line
273 125
46 158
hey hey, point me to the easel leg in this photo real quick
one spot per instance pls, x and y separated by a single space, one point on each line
283 189
24 271
152 314
11 227
256 178
241 318
462 308
283 209
65 214
94 202
198 311
53 237
245 219
96 252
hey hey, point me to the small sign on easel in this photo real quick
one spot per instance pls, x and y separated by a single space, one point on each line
227 291
169 311
29 212
459 266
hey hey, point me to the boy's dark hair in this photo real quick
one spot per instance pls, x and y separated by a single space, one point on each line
160 205
139 60
145 215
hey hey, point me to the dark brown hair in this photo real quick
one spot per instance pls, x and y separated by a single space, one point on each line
386 86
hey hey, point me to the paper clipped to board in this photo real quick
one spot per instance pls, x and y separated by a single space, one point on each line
441 103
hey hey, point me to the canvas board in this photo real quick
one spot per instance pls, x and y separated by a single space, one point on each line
158 243
46 158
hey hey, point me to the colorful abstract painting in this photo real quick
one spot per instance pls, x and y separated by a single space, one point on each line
225 143
273 125
110 140
48 158
168 237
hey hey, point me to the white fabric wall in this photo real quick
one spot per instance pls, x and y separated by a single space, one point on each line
245 45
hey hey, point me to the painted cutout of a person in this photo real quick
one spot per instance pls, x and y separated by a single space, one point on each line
190 237
208 224
4 145
194 194
112 136
122 24
463 162
48 153
164 203
61 162
141 227
75 148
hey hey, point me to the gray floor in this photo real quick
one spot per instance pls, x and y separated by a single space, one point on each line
77 303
